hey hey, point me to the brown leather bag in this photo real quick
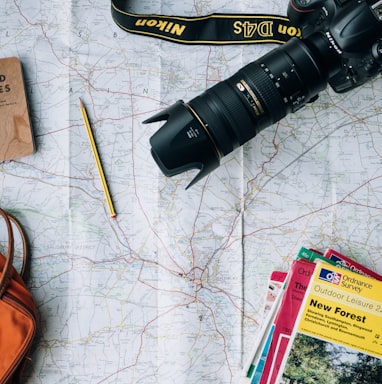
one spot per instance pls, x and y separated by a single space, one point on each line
18 315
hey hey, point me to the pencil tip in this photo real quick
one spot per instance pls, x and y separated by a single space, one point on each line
81 103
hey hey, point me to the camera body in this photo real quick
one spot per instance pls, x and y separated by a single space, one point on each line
353 28
341 46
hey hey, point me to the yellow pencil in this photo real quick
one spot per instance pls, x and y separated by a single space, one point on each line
97 160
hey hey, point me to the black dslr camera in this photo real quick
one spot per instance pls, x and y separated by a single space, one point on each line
341 45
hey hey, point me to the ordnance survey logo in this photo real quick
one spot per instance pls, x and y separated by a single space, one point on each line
330 276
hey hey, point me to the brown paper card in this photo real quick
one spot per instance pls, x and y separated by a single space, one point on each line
16 139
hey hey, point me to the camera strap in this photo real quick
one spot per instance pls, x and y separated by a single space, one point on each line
215 28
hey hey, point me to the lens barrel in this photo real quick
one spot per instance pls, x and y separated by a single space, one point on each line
224 117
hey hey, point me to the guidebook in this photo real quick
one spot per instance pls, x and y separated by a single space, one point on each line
343 261
300 274
338 332
254 368
271 348
16 138
299 277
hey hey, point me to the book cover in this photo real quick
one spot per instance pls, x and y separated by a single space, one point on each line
344 261
254 367
16 139
298 280
338 331
275 286
289 310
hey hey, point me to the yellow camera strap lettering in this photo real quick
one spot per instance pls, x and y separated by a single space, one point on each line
214 29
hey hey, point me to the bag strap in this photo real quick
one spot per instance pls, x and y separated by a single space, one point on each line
25 244
7 270
214 29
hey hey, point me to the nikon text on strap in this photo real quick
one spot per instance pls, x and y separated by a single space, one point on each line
216 28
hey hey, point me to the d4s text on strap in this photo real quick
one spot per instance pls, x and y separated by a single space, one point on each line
214 29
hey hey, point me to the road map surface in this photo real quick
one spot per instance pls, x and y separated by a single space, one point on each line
173 289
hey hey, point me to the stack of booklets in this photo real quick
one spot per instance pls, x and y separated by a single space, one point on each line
323 324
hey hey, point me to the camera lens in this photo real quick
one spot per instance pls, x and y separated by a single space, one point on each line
199 133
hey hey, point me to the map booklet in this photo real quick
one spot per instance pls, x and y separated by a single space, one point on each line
263 338
337 335
299 277
298 281
346 262
266 367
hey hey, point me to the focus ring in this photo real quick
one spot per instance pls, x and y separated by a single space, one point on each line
266 90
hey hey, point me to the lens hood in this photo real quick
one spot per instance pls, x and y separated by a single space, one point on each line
183 142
